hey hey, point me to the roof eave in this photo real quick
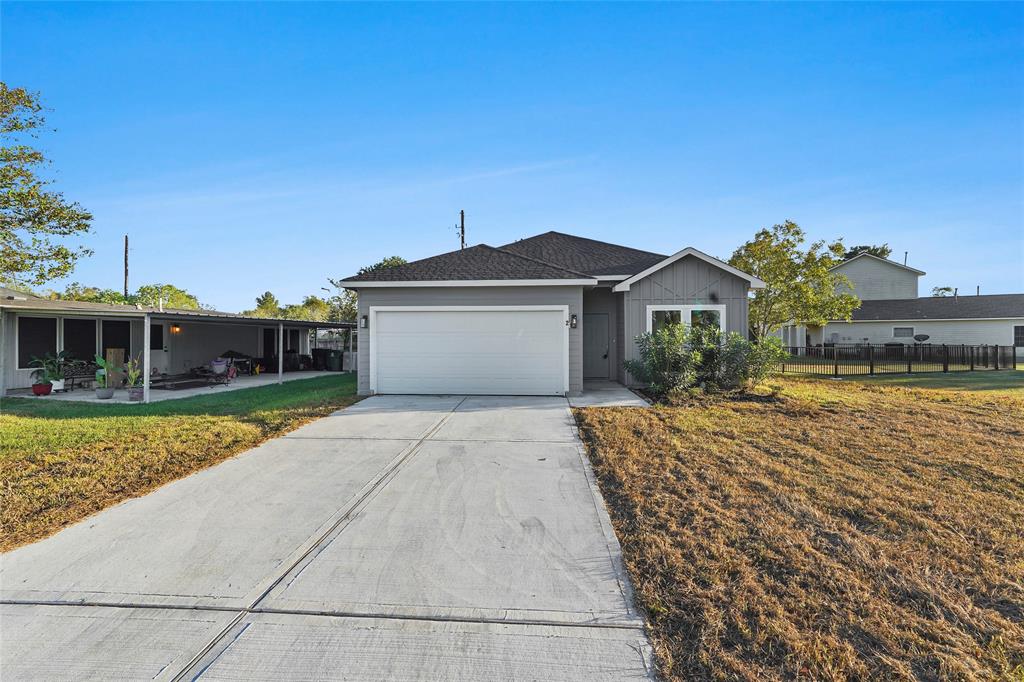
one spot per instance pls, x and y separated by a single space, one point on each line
368 284
884 260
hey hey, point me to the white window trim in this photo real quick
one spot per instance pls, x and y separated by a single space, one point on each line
465 308
912 332
684 313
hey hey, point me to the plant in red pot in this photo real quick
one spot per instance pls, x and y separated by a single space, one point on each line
48 370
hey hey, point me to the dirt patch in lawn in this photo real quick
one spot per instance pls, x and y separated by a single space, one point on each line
836 531
61 462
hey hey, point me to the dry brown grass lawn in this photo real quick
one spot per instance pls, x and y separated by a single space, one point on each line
61 461
836 531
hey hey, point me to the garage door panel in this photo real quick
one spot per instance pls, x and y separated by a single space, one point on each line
519 352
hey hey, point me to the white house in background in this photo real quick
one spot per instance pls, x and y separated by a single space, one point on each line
891 311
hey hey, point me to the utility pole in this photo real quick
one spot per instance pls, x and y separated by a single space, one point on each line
126 266
462 229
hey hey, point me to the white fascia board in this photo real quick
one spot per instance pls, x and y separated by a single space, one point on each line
351 284
884 260
611 278
755 283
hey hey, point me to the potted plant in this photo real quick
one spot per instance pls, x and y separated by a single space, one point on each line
103 392
48 374
133 372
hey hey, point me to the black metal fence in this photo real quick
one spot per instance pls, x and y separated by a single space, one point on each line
855 359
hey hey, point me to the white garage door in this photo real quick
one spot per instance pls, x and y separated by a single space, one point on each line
492 351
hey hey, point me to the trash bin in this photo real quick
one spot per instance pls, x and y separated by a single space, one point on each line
320 358
334 361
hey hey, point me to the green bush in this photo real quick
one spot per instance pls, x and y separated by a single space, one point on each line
666 362
679 358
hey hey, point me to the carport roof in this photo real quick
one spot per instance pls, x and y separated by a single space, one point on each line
11 299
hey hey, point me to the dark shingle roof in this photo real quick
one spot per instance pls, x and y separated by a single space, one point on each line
584 255
943 308
479 262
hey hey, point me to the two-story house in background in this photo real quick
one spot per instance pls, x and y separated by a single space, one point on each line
891 311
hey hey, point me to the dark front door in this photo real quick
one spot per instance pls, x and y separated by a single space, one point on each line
595 346
269 343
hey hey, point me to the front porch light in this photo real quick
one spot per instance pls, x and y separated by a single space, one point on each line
175 329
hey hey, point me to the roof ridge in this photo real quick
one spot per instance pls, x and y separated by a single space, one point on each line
597 241
542 262
951 297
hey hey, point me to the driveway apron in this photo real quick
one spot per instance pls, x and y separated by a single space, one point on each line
405 537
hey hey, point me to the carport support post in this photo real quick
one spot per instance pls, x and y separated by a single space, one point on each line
280 352
146 331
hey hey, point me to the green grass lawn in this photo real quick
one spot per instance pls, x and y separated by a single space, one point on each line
62 461
989 380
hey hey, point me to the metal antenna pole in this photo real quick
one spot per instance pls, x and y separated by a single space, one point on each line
126 266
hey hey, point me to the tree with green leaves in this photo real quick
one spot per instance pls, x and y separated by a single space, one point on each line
35 221
312 308
147 295
383 264
267 305
942 291
173 297
879 250
800 287
79 292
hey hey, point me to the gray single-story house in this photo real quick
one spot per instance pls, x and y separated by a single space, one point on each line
538 316
166 341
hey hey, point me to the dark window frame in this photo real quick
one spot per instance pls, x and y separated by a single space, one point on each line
19 342
1018 335
64 339
105 343
156 336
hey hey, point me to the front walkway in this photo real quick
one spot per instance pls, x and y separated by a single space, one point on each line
605 393
88 395
402 538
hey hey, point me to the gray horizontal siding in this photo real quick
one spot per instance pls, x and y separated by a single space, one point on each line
571 296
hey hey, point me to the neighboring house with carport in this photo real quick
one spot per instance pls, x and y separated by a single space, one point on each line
178 340
891 312
538 316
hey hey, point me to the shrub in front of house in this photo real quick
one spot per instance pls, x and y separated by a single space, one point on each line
678 358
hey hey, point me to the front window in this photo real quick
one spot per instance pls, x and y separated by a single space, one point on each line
903 332
80 338
659 316
37 336
1018 335
663 318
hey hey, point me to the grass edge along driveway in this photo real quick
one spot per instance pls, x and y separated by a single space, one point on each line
61 462
838 530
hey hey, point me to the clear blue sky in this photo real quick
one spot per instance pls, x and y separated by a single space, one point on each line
253 147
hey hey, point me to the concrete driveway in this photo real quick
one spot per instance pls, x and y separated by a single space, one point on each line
401 538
